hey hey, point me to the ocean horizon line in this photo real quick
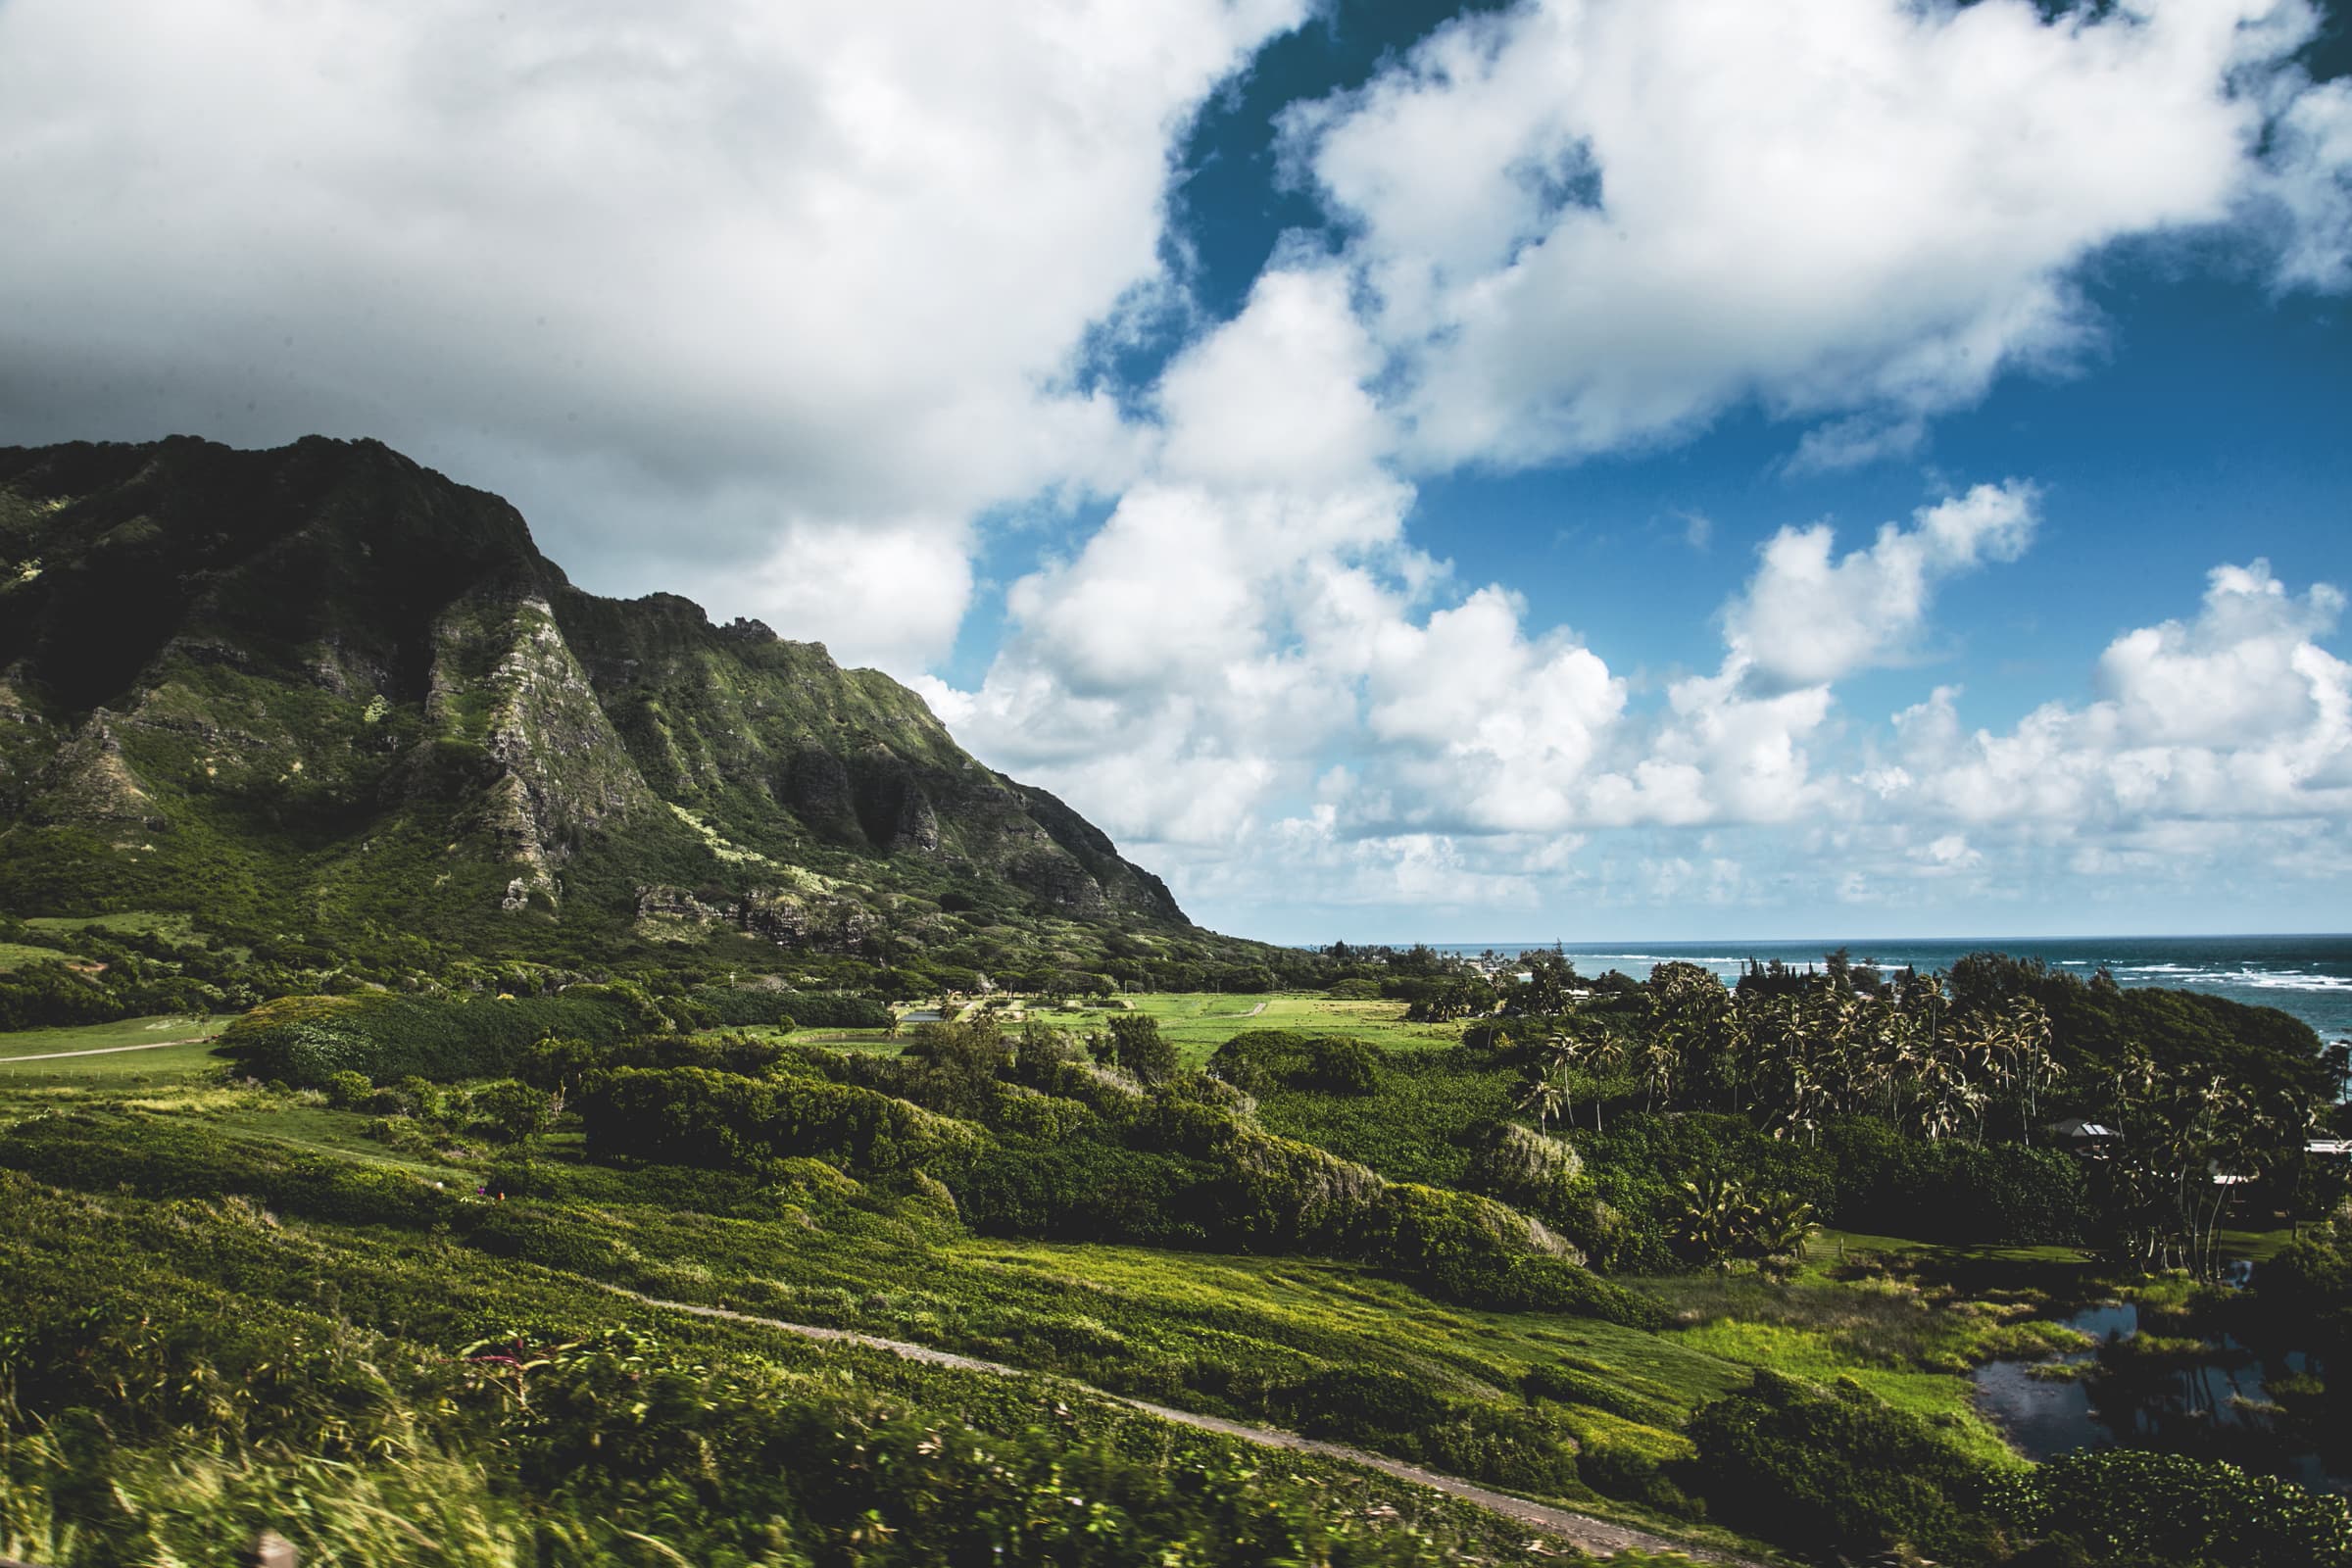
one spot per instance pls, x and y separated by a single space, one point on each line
1525 945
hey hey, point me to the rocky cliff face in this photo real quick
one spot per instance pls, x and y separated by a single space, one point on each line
326 677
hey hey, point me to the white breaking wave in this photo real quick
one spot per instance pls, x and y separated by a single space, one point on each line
2291 982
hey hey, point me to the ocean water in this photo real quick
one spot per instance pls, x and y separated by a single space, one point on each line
2307 977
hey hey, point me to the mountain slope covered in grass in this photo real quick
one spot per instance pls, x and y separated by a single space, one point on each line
326 692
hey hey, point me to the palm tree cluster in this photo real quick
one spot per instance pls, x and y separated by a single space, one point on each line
1802 1059
2189 1139
1798 1058
1904 1058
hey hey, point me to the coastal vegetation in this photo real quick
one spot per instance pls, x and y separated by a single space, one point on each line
1684 1321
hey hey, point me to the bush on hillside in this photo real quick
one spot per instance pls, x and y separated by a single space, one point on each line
693 1116
2001 1194
833 1010
1261 1061
305 1041
1838 1474
2129 1504
743 1008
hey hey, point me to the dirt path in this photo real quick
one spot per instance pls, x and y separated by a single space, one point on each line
106 1050
1598 1537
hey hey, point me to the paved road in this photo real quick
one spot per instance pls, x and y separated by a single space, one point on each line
1599 1537
106 1050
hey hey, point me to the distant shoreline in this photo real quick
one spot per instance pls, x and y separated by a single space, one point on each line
2306 975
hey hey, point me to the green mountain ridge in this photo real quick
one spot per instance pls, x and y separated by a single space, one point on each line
326 689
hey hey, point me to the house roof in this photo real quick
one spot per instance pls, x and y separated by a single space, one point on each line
2079 1128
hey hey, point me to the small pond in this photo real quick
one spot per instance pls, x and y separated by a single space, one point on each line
2216 1405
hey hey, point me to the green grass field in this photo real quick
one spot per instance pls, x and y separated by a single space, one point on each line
1220 1332
115 1071
100 1035
135 922
16 954
1199 1022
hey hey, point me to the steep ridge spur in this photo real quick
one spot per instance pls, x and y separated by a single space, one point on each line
323 684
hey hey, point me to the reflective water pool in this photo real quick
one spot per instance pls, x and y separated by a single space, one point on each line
2217 1405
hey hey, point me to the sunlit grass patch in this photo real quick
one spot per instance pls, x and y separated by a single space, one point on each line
1200 1021
179 929
149 1031
167 1070
1598 1428
1943 1398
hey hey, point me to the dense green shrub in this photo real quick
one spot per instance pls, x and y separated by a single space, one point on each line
1522 1167
2133 1505
1951 1191
1140 1048
1418 1123
1087 1189
2307 1287
305 1041
834 1009
1836 1474
739 1006
347 1091
745 1055
1026 1112
693 1116
1196 1176
1259 1061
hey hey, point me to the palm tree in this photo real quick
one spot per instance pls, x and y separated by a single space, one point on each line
1604 1055
1660 1064
1780 1225
2029 1031
1715 1218
1560 1053
1805 1103
1544 1097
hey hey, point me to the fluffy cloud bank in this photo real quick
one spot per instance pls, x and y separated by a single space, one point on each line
724 294
1570 228
1807 620
2237 714
1588 224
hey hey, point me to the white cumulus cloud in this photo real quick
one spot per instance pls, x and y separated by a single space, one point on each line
1588 226
1810 617
2239 715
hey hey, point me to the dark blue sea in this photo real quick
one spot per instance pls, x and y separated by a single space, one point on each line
2309 977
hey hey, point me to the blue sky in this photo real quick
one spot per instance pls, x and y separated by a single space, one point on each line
1573 469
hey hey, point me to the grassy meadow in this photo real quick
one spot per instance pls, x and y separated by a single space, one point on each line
169 1175
1199 1022
1196 1022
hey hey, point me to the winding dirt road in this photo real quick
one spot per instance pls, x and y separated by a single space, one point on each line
1599 1537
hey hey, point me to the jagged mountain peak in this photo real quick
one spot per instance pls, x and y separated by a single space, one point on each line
326 676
